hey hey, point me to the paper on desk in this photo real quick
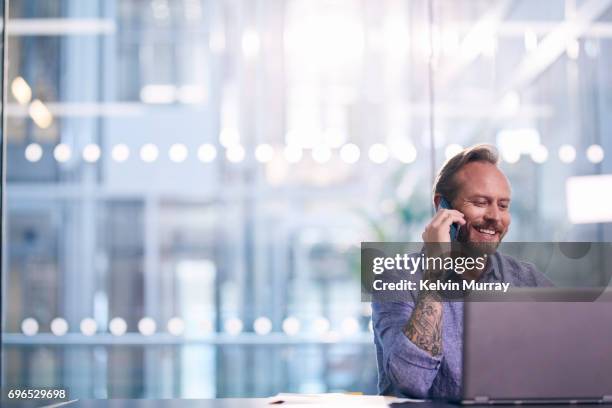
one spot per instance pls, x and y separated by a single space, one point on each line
337 399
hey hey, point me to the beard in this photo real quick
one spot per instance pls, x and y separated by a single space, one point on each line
479 248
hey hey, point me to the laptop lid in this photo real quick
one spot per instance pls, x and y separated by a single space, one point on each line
539 347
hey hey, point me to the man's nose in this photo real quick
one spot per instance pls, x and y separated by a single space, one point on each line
493 213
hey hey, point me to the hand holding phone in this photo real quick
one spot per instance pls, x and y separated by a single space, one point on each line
454 228
442 223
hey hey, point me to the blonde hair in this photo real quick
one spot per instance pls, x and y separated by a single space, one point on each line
445 184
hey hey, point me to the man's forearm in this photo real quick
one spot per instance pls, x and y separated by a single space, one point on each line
424 328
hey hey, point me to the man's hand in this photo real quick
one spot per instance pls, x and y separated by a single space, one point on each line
438 229
437 237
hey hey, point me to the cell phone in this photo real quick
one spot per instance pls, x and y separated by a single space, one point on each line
454 228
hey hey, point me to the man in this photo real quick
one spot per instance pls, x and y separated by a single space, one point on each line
419 342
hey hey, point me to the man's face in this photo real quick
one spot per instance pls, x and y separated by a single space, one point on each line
484 199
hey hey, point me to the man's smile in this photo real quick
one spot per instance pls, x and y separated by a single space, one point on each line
486 234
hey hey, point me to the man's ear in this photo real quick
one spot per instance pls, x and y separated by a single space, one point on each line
436 200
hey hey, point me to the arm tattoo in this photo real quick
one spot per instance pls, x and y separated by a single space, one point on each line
424 328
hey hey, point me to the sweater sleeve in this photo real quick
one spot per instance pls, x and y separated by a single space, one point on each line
410 369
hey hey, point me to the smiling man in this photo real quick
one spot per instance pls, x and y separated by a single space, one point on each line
419 342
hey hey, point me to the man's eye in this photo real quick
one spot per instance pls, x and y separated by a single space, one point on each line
480 203
504 206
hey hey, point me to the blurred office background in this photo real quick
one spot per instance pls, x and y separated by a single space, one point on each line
188 181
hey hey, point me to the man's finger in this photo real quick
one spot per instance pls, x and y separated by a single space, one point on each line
453 218
443 216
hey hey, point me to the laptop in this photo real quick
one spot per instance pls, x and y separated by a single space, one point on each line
547 345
